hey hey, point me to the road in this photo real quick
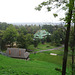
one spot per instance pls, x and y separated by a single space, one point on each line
50 49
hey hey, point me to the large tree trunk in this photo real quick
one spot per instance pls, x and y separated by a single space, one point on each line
73 51
73 61
0 45
73 43
67 38
65 51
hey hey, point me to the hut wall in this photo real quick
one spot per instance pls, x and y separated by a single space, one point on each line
16 52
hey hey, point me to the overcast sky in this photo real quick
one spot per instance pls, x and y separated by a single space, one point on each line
18 11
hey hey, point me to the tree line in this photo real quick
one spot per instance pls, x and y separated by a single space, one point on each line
23 35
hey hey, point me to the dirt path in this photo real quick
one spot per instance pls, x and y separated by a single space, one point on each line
2 53
50 49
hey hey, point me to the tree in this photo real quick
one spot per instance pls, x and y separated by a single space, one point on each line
48 39
10 35
31 28
23 41
1 35
73 50
72 40
3 25
22 29
68 21
72 46
36 41
58 36
49 28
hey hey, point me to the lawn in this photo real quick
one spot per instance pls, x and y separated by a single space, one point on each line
11 66
50 58
41 47
44 47
39 63
59 52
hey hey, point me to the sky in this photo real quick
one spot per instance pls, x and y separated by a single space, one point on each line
18 11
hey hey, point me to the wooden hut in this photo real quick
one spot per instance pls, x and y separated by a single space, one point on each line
17 53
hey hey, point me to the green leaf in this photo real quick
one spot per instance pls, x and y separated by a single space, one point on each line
44 3
38 8
49 8
64 8
55 15
61 19
66 25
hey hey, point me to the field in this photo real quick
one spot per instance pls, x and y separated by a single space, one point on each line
50 58
10 66
39 63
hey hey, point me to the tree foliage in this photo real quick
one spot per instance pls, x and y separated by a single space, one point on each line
58 36
10 35
3 25
23 41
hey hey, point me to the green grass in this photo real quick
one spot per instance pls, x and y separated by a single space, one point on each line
10 66
50 58
39 64
47 58
41 47
59 52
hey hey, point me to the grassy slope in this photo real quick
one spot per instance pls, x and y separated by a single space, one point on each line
47 57
50 58
10 66
40 63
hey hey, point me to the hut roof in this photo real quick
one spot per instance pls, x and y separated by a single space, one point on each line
17 52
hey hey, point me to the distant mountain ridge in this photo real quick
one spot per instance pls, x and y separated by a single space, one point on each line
38 23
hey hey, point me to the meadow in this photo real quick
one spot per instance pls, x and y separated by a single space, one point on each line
11 66
39 63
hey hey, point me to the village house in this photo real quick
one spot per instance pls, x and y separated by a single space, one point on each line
17 53
41 34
